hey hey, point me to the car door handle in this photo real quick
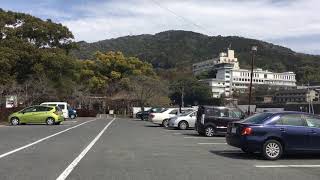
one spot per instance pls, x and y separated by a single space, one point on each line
313 132
282 130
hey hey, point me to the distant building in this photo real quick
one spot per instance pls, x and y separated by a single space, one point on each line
209 64
218 87
230 77
296 95
266 99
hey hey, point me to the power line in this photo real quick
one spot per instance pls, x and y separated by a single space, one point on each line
181 17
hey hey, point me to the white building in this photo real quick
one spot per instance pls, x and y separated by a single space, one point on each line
209 64
230 77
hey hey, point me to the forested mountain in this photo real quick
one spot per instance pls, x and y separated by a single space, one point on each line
176 49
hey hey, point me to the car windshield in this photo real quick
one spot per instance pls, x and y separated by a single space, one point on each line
158 110
257 118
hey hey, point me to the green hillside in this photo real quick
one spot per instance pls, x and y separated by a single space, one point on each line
176 49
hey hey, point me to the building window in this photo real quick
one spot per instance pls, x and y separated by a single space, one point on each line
265 76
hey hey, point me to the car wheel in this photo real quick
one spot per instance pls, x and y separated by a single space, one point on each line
183 125
73 116
14 121
210 131
272 150
50 121
165 123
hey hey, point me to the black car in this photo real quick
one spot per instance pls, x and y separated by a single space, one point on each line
213 120
143 115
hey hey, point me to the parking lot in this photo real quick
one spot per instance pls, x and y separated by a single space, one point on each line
121 148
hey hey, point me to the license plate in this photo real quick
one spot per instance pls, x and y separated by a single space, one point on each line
234 130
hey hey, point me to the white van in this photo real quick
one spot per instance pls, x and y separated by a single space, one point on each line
62 105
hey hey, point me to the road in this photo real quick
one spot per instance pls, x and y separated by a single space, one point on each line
107 148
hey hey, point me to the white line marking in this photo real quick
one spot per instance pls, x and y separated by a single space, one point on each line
74 163
287 166
210 143
40 140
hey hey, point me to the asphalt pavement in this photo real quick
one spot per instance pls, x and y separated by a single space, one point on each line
108 148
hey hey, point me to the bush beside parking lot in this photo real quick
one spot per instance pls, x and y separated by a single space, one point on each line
86 113
4 113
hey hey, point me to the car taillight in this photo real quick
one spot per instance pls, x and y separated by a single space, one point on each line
246 131
151 116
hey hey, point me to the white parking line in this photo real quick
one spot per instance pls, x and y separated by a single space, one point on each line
40 140
211 143
288 166
74 163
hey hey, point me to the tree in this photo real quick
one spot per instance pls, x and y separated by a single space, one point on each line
144 89
105 73
207 74
189 91
42 34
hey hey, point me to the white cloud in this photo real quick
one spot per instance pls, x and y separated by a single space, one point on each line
261 19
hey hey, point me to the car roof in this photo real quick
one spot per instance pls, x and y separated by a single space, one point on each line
288 112
39 106
218 107
54 103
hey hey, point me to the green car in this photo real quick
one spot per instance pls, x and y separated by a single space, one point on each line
36 115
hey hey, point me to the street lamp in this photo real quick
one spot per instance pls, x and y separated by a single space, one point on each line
253 53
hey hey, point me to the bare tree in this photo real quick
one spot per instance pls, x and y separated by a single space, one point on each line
144 89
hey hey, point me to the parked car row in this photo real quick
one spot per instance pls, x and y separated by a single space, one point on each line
144 115
162 118
68 112
50 113
271 134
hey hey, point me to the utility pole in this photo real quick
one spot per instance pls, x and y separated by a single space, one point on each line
309 99
182 97
253 51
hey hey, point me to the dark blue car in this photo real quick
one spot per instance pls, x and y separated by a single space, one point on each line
273 134
72 113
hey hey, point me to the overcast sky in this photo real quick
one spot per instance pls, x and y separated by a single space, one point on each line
292 23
